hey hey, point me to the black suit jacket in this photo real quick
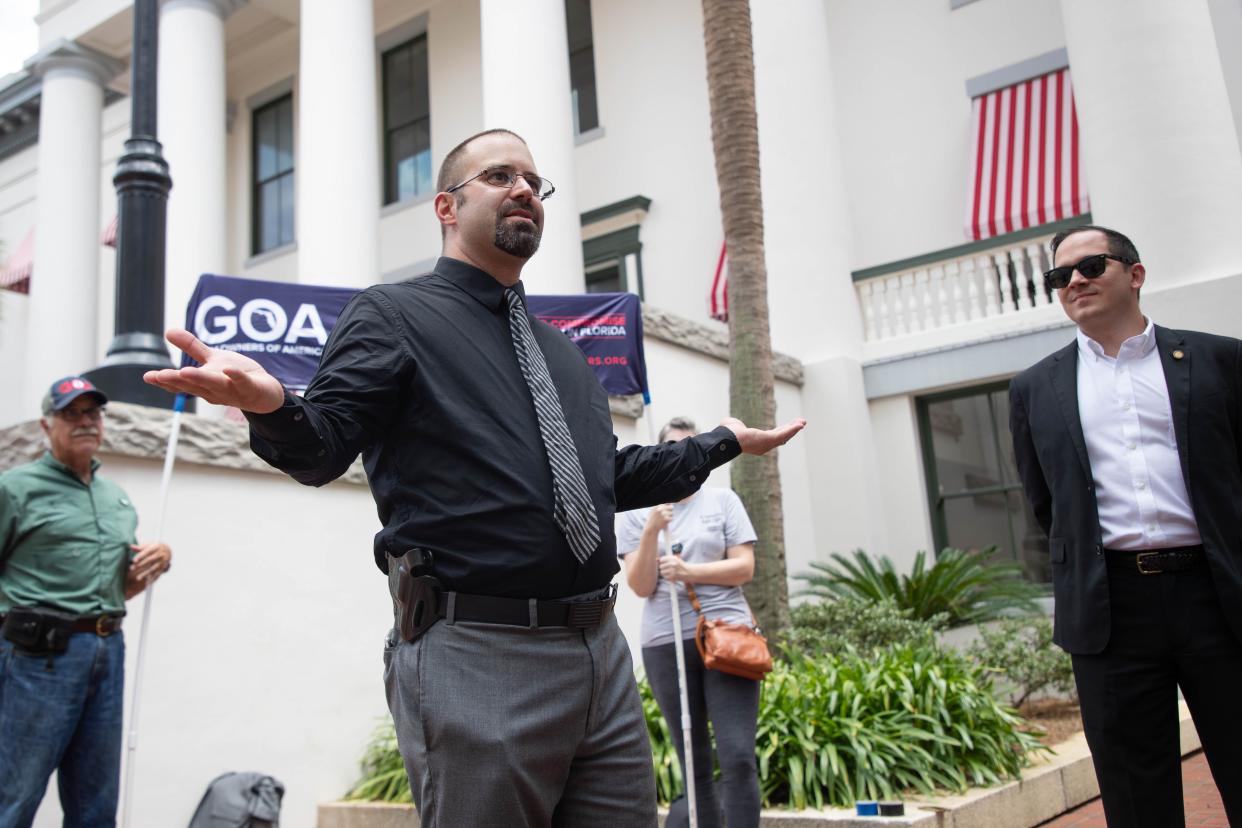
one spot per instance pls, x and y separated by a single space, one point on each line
1205 392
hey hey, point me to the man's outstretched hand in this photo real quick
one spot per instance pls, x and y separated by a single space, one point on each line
223 378
758 441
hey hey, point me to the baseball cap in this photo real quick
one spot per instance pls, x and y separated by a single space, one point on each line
65 391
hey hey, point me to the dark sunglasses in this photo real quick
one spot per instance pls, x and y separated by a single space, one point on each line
1090 268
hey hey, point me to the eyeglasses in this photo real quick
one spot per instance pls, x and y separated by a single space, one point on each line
77 415
505 178
1090 268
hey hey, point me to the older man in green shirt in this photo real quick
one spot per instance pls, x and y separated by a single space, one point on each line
68 562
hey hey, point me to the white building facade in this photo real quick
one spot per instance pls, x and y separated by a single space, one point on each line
303 140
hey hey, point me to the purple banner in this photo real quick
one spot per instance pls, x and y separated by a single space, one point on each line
608 327
283 326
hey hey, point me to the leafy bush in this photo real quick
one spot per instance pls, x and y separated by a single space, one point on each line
967 586
829 627
383 772
833 729
663 753
1021 650
836 729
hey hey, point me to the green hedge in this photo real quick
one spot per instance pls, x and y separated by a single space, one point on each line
836 729
827 627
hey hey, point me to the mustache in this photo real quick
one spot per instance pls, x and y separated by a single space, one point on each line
510 206
87 431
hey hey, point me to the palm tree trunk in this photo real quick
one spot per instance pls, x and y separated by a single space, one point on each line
735 140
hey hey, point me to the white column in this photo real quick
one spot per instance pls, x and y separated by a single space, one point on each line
62 336
815 314
1158 139
526 89
337 161
192 130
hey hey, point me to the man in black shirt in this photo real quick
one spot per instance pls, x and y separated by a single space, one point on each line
488 444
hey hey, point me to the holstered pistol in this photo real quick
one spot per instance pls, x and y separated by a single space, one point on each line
417 596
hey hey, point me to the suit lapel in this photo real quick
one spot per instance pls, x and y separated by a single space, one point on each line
1065 382
1177 378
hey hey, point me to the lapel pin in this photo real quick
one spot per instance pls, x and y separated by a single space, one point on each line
1179 354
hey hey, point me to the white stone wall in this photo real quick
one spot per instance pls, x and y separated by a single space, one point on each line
901 69
265 638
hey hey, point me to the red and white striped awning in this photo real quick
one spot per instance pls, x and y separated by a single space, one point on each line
108 236
19 266
1025 166
718 297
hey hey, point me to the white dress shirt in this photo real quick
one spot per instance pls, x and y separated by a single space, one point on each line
1127 421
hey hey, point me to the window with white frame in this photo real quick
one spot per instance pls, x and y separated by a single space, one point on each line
272 194
581 65
407 121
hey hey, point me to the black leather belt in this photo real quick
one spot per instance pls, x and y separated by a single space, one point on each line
97 624
1157 561
519 612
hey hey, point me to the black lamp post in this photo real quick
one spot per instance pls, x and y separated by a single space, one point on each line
142 184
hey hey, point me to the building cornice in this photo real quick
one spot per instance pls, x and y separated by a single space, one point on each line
141 433
65 54
712 341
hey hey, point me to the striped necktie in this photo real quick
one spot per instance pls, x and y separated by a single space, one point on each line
571 504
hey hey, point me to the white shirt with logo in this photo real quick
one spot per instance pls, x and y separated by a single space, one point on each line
706 525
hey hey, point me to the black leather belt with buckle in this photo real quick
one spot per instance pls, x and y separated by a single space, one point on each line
1160 561
532 612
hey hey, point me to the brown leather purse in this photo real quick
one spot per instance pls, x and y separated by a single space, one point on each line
736 649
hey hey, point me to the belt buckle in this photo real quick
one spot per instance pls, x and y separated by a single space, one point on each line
1141 558
103 628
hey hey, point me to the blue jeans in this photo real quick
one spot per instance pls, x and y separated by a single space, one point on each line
64 718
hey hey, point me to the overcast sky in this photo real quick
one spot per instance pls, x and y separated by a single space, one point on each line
19 37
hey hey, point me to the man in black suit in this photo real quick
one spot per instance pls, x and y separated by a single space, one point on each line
1129 445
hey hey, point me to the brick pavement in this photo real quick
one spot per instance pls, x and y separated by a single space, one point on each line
1203 806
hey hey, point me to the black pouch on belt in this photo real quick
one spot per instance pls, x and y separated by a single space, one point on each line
416 595
37 630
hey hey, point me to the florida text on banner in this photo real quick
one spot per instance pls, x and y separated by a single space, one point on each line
608 328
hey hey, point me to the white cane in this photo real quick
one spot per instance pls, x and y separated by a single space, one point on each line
170 455
686 732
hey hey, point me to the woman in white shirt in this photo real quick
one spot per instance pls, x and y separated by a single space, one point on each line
718 556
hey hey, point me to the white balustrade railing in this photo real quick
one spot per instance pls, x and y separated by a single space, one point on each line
1000 281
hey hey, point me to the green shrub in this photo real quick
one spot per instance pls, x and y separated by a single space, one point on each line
663 753
967 586
830 627
832 730
383 772
1021 650
835 729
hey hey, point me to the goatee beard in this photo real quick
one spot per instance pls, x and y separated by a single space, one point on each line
519 239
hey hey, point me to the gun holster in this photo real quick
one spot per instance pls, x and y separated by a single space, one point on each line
415 593
38 630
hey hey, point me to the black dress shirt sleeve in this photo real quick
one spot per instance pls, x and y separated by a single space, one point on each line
668 472
352 399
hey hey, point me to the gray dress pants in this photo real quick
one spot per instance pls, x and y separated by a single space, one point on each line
511 726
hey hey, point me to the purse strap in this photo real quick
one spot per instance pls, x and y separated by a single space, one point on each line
694 601
694 598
